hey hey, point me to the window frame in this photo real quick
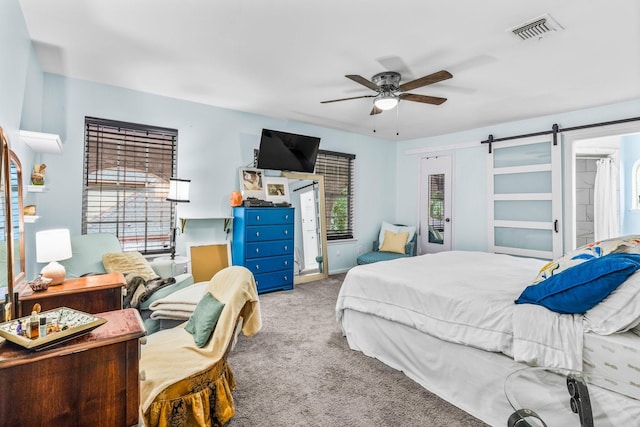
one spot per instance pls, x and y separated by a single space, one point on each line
126 172
339 160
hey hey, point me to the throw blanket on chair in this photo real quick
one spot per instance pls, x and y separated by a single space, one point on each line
139 290
181 381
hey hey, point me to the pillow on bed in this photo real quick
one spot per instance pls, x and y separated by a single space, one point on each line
624 244
581 287
204 319
128 263
395 229
394 242
618 312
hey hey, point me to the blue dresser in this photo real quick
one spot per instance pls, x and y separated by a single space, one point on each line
263 242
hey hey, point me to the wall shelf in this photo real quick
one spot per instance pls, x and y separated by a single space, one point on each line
30 219
227 220
42 142
37 188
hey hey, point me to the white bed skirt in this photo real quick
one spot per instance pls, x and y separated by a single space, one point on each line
467 377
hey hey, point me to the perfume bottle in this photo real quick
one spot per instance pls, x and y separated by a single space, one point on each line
34 325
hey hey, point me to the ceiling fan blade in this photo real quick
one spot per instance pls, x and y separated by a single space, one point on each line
426 80
422 98
375 110
364 82
347 99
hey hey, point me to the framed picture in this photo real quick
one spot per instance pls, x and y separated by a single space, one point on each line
277 189
252 183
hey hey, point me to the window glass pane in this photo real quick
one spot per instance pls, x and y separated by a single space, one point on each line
338 172
529 182
522 210
524 238
522 155
436 208
126 180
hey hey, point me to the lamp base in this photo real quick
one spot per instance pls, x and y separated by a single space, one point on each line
54 271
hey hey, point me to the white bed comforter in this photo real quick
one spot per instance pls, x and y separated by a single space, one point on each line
466 298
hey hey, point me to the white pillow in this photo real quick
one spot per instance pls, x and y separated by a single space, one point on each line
395 229
618 312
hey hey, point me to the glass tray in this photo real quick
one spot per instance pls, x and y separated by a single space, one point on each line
76 323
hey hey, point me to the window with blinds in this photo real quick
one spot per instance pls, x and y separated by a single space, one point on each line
338 172
127 167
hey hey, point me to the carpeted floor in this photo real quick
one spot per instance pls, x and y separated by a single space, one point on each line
299 371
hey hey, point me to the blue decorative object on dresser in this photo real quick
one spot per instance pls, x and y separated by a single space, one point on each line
263 242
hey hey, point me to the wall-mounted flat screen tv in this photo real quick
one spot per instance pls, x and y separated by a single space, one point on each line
287 151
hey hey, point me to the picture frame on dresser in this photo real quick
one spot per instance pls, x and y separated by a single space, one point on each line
251 182
276 189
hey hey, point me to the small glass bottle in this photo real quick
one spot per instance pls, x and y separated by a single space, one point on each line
42 331
34 325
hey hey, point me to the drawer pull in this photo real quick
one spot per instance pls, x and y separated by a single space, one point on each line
286 263
257 267
257 217
286 217
257 234
286 278
286 248
286 231
257 250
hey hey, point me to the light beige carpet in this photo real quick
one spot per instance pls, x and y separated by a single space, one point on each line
299 371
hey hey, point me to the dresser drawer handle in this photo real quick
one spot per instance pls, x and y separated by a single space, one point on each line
286 217
286 231
286 278
257 267
286 263
257 217
257 250
286 247
257 234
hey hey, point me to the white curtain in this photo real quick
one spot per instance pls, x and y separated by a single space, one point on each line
606 223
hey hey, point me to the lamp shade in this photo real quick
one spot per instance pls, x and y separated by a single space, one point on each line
385 101
53 245
178 190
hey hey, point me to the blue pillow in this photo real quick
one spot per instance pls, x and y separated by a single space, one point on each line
581 287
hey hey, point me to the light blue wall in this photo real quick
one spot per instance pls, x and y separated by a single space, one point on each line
469 220
213 143
629 153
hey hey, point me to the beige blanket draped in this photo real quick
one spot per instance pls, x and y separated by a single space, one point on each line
171 356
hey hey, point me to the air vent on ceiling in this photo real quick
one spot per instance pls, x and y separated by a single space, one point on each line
536 28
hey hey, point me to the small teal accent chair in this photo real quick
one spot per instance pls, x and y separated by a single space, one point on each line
376 255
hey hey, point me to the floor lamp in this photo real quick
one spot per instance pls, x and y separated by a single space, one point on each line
178 193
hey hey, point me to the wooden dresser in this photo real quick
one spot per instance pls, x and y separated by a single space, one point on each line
91 380
91 294
263 242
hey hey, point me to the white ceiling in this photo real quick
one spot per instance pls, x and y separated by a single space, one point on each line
281 58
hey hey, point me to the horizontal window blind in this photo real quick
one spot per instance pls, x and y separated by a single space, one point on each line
338 171
126 180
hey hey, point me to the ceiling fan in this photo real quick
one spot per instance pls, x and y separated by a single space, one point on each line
390 91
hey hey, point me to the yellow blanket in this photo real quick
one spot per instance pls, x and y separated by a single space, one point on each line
172 355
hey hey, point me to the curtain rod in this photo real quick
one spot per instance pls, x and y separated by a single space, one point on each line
554 130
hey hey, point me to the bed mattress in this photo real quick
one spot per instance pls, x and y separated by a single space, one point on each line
614 361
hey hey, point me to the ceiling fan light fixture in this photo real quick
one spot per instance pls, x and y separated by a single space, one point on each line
385 101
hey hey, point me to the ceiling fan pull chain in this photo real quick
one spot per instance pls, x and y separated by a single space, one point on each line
397 119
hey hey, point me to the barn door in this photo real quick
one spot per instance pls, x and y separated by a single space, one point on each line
525 191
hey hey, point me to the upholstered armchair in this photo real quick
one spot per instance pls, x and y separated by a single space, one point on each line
184 375
87 253
396 248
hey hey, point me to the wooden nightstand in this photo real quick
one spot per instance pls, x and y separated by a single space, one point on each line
91 294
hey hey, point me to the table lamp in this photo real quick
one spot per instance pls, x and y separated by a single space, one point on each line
53 246
178 193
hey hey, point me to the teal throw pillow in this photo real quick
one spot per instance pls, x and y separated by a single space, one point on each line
581 287
203 321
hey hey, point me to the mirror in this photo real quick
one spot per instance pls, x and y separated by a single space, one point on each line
17 218
306 193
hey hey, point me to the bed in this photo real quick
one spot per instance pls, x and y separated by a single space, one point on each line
449 322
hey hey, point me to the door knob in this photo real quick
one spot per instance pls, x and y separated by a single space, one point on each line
447 220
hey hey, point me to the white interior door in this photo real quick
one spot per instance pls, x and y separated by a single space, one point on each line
525 198
308 216
435 205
